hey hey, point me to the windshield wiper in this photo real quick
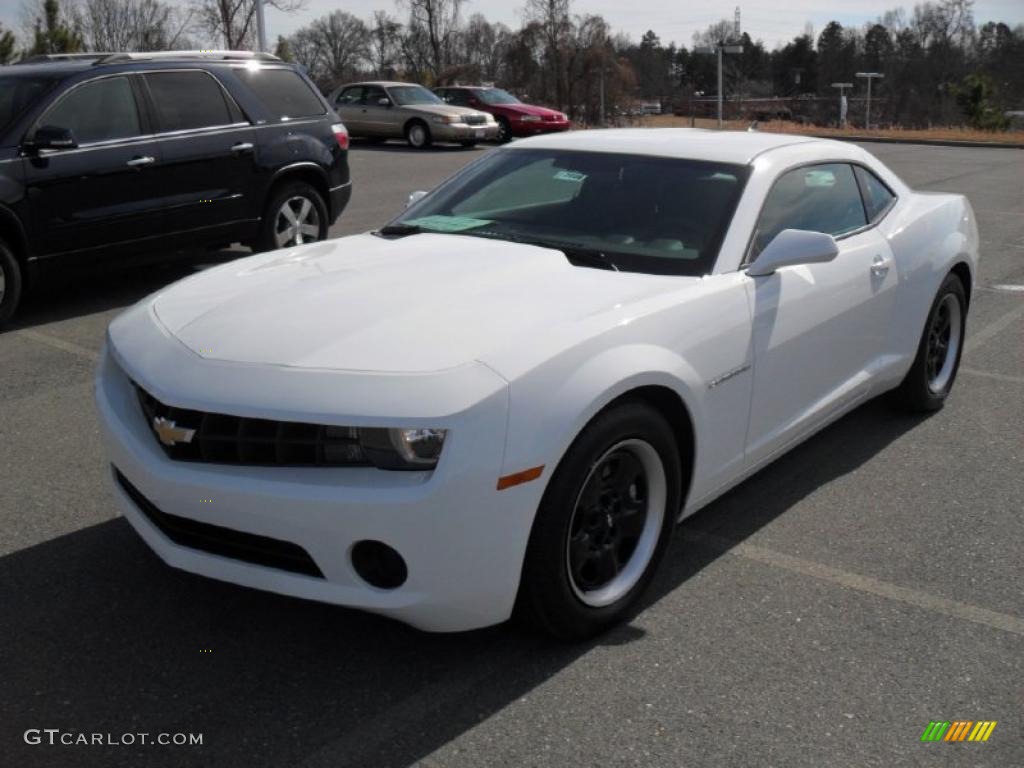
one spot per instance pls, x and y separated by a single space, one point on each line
574 252
402 229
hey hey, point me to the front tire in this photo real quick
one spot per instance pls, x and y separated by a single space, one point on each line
295 215
418 134
603 524
930 379
10 283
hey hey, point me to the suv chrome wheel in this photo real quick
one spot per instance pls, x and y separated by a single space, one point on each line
297 222
616 523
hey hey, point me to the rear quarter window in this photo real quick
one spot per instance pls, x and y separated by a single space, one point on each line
283 93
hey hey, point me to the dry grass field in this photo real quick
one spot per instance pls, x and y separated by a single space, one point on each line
782 126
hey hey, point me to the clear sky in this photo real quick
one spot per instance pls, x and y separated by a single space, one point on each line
772 21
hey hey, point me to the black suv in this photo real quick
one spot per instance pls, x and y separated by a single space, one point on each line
114 155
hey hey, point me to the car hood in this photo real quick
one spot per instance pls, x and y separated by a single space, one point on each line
421 303
441 109
529 109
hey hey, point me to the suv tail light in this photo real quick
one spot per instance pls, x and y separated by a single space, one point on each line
340 135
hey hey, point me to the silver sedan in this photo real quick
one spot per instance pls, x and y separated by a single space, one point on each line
384 110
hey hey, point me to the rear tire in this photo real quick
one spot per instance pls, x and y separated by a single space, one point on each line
930 379
295 215
10 283
603 524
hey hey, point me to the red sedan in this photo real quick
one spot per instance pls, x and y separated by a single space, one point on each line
514 117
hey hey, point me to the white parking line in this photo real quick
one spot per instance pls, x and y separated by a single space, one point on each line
990 375
58 343
979 337
822 572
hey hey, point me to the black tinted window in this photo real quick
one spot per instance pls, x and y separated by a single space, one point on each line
877 197
98 111
283 92
187 100
372 95
18 93
819 198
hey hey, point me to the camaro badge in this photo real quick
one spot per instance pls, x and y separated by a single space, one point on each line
170 433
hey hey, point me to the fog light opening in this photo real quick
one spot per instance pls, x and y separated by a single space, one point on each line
379 565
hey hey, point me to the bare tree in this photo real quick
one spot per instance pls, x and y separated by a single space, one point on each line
234 21
342 42
552 18
385 42
439 20
131 25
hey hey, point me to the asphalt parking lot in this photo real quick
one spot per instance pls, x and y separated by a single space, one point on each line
821 614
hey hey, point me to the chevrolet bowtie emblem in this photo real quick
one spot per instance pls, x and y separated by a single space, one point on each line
170 433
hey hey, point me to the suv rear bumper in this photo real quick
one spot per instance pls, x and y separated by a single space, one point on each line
339 197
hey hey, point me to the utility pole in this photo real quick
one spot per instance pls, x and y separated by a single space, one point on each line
869 76
261 27
842 101
719 48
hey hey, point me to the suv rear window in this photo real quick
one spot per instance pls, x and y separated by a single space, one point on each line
187 100
284 94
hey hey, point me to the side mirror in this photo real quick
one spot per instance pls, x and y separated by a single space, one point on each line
384 101
415 197
52 137
794 246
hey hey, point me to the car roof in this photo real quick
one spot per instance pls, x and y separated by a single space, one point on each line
383 83
740 147
58 68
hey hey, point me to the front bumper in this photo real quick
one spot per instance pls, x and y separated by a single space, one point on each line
462 132
462 540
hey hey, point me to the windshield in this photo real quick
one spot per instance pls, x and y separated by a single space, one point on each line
496 96
18 93
626 212
404 95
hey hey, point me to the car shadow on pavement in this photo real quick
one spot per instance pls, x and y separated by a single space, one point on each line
98 636
398 146
78 293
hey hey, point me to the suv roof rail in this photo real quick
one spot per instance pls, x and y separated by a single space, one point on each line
117 58
41 58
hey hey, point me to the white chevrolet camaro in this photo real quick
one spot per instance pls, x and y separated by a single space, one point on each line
505 398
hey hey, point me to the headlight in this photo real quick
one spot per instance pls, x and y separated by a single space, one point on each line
447 119
529 118
415 448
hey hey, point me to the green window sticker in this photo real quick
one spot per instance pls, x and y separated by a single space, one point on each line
440 223
574 176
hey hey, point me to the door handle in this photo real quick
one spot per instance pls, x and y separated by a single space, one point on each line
242 146
880 266
138 162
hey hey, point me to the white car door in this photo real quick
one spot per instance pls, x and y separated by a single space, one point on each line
819 329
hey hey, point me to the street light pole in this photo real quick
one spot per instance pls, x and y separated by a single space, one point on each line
869 76
719 48
842 101
261 27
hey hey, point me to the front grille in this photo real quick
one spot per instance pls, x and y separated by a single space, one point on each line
221 439
217 540
475 119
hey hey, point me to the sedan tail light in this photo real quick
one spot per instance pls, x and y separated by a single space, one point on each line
340 135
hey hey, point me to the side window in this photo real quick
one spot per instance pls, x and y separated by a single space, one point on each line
458 97
349 96
372 95
444 94
98 111
187 100
820 198
877 196
283 92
